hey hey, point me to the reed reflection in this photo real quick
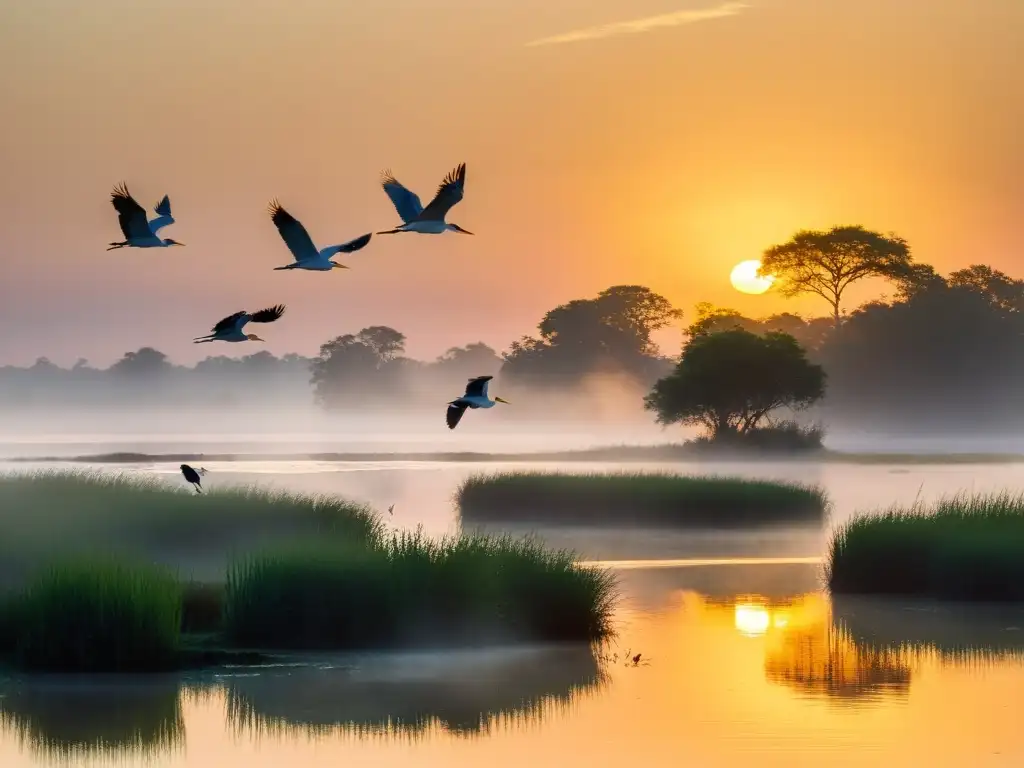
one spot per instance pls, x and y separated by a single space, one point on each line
406 695
72 722
955 634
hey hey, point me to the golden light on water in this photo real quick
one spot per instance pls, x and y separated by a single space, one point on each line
752 620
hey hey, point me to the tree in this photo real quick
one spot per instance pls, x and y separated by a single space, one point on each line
358 368
947 358
729 381
147 362
918 278
1003 290
827 263
609 333
386 342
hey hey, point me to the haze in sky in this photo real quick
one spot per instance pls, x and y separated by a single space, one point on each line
657 142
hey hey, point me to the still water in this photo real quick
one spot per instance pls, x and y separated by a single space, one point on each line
743 660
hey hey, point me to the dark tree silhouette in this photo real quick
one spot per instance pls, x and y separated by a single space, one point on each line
827 263
810 334
729 381
609 333
147 362
358 368
1003 290
945 358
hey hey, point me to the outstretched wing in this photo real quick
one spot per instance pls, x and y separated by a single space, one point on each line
293 233
406 202
454 414
477 387
164 217
448 194
349 247
130 215
231 322
268 315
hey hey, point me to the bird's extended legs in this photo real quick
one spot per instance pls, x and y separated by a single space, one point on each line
198 490
113 246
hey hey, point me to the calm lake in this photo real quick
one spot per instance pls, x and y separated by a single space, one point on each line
743 659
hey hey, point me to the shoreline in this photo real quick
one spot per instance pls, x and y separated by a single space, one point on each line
637 454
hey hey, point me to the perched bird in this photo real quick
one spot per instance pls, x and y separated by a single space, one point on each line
429 220
475 397
138 232
301 245
192 476
230 328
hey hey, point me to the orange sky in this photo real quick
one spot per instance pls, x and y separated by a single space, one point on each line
660 157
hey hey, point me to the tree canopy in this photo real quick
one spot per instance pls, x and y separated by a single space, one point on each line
826 263
611 332
729 381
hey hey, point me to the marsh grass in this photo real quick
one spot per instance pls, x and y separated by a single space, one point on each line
46 515
412 590
636 499
963 547
98 616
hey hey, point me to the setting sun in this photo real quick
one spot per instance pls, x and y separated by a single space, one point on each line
745 279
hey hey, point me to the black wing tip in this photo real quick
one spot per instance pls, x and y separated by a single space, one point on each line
274 209
386 178
269 314
360 242
121 192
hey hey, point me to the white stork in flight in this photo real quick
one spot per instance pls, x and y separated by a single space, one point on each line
429 220
301 245
475 397
138 232
230 328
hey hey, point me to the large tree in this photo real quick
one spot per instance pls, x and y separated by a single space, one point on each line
826 263
729 381
611 332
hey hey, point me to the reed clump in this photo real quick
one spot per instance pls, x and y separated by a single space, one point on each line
97 616
963 547
146 518
649 499
414 591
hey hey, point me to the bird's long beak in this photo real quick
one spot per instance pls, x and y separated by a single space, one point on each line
336 265
461 230
499 400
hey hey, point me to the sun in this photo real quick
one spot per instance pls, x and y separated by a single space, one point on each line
745 280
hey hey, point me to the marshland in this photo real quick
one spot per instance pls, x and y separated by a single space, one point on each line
706 609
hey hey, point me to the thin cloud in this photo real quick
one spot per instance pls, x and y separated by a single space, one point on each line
675 19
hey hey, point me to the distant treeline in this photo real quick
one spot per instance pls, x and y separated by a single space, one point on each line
943 352
602 339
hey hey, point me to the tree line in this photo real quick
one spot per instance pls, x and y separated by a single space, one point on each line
941 350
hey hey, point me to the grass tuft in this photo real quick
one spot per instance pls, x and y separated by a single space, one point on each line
98 616
636 499
145 517
415 591
963 547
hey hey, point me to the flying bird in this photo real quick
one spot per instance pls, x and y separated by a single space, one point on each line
230 328
429 220
192 476
301 245
475 397
138 231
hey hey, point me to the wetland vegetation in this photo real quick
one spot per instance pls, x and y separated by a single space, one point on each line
351 585
963 547
648 499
